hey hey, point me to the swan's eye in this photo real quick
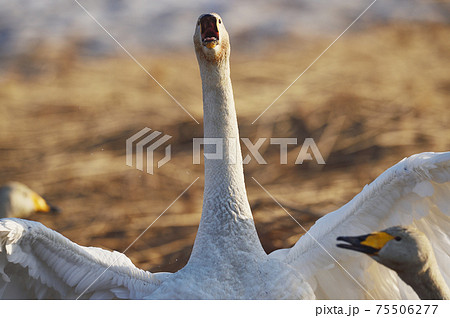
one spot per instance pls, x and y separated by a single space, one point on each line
220 21
397 238
198 22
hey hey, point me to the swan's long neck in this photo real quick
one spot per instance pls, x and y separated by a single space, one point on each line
226 224
428 283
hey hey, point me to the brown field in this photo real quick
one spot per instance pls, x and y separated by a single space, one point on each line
375 97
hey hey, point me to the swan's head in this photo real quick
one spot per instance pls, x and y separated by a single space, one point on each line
211 39
17 200
399 248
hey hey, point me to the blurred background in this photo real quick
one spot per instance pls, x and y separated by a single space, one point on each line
70 97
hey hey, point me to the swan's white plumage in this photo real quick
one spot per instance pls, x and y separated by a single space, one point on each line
414 191
36 262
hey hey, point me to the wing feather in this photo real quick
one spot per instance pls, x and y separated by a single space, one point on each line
36 262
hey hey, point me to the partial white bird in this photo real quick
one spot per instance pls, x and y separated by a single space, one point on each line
19 201
228 261
409 253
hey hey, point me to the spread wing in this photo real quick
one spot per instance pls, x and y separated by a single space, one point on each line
36 262
416 191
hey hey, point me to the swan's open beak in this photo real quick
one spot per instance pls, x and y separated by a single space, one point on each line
368 244
209 30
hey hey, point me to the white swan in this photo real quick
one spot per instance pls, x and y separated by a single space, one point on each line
19 201
409 253
228 261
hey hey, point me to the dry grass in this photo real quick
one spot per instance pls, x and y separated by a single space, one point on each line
374 98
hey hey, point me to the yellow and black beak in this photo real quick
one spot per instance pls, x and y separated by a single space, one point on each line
41 205
369 244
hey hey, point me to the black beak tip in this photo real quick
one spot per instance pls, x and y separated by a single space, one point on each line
54 209
349 239
355 244
346 246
